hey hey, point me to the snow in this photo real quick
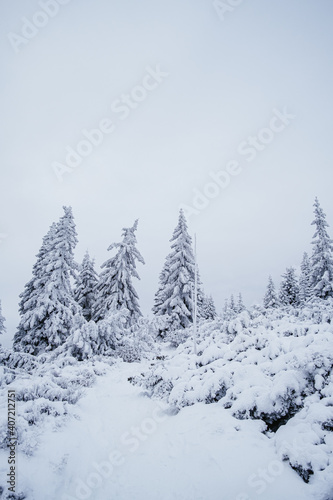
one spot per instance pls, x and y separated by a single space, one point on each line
123 445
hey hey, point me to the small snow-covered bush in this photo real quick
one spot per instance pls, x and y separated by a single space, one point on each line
83 342
111 337
138 342
45 395
306 440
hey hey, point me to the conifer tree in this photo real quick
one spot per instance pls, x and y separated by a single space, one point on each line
115 289
232 304
270 298
23 340
2 321
289 290
226 310
85 286
47 305
322 256
305 280
208 308
174 297
240 304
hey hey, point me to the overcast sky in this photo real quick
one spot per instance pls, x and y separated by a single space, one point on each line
184 91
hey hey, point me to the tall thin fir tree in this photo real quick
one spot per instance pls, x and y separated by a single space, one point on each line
232 304
174 297
208 309
226 310
289 290
270 298
2 322
305 280
115 289
240 304
47 304
230 308
322 256
85 286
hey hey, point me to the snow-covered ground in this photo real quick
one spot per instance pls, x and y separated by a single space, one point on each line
249 417
123 445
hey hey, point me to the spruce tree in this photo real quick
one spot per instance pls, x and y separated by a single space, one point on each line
305 280
322 256
85 286
289 290
47 305
226 306
226 310
232 304
160 295
208 308
29 297
174 297
240 304
230 308
115 289
270 298
2 321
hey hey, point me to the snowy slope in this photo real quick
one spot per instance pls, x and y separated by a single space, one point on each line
200 453
244 419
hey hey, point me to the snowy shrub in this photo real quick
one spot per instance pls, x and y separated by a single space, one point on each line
178 336
263 364
15 360
83 342
46 395
110 331
306 441
138 342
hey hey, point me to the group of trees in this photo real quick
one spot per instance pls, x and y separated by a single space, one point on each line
63 298
233 307
316 276
50 307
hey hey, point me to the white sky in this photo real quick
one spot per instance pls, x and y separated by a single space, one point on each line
225 77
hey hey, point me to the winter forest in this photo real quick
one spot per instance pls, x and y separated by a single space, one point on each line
197 377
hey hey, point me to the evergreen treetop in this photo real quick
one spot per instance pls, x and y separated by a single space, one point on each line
115 289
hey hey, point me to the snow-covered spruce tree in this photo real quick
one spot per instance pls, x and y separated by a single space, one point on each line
229 308
47 304
270 297
208 308
29 297
322 256
240 304
85 286
226 309
115 289
232 304
174 297
289 290
2 321
305 280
